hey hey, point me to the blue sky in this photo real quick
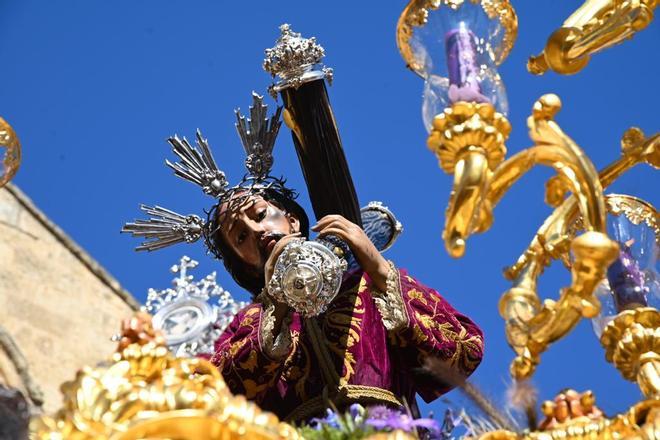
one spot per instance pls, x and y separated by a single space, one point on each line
93 88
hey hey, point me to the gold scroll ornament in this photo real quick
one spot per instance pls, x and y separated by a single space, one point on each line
594 26
468 139
529 326
145 392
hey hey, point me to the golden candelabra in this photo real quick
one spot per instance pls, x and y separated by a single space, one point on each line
594 26
468 137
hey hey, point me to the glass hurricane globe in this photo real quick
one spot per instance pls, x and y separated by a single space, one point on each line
632 280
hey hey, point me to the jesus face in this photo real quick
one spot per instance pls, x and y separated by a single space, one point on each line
253 229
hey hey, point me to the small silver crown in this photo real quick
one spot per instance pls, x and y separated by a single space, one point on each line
295 60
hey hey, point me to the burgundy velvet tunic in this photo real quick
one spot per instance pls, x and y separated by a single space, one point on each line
365 342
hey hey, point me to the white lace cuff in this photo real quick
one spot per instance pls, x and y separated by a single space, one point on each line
390 303
275 347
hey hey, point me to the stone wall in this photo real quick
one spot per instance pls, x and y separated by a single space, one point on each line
58 307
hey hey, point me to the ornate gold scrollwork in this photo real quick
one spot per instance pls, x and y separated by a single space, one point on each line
468 140
148 393
521 304
596 25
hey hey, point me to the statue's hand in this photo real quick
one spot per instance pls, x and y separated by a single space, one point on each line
366 254
139 329
567 406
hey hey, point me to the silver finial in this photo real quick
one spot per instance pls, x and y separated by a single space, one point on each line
197 165
258 134
192 314
164 228
295 60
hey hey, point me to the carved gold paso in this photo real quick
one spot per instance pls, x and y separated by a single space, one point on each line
12 155
468 140
596 25
632 343
416 12
148 393
642 421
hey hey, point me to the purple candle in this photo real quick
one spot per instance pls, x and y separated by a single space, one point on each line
462 65
627 281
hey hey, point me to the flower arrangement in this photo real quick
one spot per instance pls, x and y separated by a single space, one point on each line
362 423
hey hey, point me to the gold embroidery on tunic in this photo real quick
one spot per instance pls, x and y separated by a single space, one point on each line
343 323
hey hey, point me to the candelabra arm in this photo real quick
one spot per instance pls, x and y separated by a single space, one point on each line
594 26
530 328
551 241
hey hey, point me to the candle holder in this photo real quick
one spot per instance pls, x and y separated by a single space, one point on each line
456 46
593 27
10 153
632 343
531 326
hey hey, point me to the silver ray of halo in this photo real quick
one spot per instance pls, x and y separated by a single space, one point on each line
197 165
164 228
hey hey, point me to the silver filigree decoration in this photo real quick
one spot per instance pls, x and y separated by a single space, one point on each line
164 228
197 165
295 60
258 134
307 277
192 314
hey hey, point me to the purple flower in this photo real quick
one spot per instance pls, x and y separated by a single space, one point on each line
329 420
355 410
381 418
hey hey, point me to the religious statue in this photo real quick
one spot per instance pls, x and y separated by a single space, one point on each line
368 344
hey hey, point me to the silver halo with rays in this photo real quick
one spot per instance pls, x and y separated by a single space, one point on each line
197 165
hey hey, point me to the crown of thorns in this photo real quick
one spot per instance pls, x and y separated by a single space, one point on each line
196 164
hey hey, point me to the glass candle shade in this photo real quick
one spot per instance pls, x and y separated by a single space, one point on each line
455 47
632 279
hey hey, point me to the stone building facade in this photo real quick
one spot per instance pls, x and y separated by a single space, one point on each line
51 322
